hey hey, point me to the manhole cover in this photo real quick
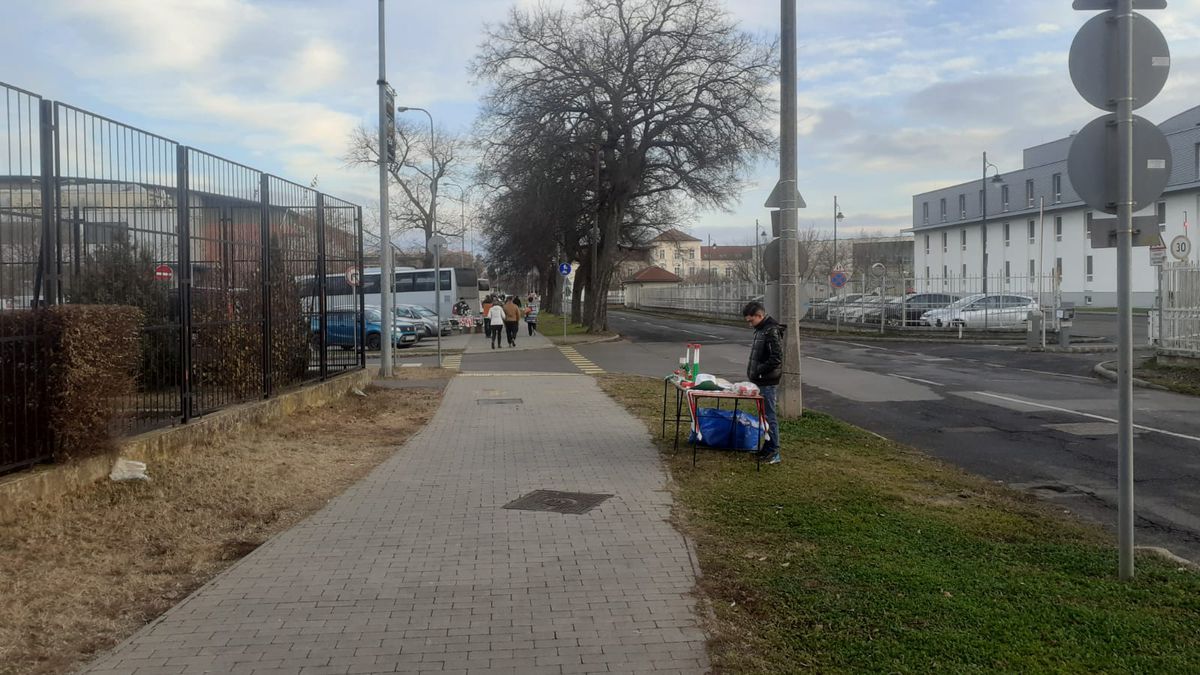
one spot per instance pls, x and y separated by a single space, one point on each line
558 502
499 401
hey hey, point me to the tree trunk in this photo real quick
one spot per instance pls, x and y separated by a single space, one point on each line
577 293
610 226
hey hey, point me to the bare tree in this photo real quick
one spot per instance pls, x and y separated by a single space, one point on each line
418 169
665 96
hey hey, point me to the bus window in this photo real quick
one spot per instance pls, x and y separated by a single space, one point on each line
404 282
370 283
446 283
423 281
466 277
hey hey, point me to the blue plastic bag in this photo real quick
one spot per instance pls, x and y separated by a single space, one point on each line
719 430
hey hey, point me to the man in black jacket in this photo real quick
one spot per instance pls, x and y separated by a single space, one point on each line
766 369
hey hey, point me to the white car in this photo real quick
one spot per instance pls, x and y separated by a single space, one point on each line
990 310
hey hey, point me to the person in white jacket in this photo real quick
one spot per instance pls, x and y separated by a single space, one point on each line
496 314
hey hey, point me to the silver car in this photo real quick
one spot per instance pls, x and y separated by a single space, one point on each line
424 317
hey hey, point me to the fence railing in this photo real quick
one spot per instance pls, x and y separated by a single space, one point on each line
227 263
1178 327
972 303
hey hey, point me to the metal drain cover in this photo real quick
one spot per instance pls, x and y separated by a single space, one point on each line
499 401
558 502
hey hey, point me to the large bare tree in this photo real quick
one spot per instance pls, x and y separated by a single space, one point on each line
421 164
664 97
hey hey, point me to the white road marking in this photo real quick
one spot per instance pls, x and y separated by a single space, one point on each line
817 358
917 379
1088 415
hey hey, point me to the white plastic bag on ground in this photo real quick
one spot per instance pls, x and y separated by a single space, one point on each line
128 469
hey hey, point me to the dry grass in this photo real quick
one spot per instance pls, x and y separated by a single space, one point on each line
80 574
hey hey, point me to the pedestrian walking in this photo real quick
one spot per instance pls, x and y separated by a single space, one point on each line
487 315
531 315
495 322
512 319
766 370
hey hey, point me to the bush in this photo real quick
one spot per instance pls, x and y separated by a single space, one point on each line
69 377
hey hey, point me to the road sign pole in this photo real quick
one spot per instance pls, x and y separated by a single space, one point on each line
1125 19
437 301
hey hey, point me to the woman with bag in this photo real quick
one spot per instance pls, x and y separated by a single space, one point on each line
531 316
495 322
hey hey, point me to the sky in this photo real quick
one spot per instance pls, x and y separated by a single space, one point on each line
896 97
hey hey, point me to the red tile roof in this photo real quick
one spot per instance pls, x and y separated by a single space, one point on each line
726 252
654 275
674 235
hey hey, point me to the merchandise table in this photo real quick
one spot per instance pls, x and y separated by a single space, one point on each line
693 397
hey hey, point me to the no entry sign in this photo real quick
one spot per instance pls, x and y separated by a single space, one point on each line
164 273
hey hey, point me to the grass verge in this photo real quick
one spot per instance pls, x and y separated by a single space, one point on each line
80 574
1177 379
858 554
551 326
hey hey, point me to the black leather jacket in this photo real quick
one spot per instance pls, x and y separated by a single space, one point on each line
766 354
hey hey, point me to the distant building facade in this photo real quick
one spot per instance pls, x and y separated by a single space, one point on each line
949 231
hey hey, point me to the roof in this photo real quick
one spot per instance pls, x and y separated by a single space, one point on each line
726 252
674 235
654 275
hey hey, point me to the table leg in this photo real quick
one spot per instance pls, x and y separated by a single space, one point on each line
664 412
733 426
678 412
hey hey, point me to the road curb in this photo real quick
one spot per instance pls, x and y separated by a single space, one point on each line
1077 349
1101 370
608 338
1167 555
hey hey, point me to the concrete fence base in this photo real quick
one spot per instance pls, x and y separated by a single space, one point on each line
59 479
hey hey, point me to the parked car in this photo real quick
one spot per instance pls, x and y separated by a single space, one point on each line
859 310
426 319
829 308
991 310
341 329
915 305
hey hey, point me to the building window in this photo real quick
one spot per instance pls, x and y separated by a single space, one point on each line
927 273
927 246
1004 197
1087 299
1088 268
1032 269
1087 227
962 236
943 209
692 271
962 207
945 274
1162 216
1057 180
1007 270
964 270
1057 228
1058 268
1006 236
1029 193
925 213
662 254
1198 161
678 270
1033 231
945 242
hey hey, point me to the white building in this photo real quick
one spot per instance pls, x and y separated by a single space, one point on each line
950 240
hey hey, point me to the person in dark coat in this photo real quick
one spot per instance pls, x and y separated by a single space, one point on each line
766 369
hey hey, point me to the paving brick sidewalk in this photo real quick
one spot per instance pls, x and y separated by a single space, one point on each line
418 568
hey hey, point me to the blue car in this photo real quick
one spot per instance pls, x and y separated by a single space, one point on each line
341 329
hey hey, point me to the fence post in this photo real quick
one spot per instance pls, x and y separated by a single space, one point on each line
361 319
50 253
183 216
321 283
264 235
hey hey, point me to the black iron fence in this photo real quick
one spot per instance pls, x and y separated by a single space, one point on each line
229 265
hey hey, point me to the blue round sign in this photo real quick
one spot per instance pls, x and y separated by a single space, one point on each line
564 269
837 279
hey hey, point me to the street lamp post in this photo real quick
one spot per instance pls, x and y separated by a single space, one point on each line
837 215
462 214
983 217
385 237
432 169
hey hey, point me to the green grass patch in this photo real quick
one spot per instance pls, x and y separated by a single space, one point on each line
551 325
859 554
1179 379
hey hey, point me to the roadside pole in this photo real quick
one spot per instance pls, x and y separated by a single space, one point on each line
1041 266
1124 273
786 197
385 236
436 242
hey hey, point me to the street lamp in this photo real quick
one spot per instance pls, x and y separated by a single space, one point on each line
996 179
432 168
837 215
462 214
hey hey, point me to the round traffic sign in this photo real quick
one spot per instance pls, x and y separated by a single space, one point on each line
1181 248
1094 58
353 276
878 269
164 273
1094 160
837 279
564 269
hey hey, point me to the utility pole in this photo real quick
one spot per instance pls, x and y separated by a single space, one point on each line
787 198
385 236
1125 209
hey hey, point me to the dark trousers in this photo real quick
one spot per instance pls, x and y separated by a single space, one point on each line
510 327
494 334
487 327
532 326
768 393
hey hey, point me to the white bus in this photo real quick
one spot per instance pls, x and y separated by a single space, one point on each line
412 287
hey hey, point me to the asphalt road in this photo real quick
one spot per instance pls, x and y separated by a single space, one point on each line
1039 422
